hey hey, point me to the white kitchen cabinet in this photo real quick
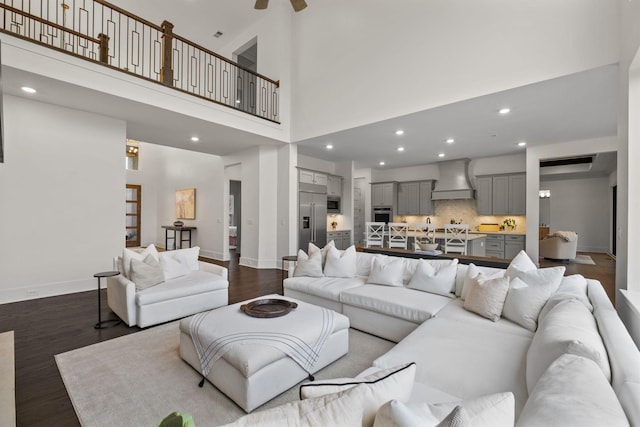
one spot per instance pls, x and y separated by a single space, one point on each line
501 194
382 194
311 177
334 185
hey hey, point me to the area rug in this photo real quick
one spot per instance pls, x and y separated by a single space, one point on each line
583 259
138 379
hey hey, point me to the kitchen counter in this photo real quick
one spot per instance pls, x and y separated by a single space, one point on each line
513 233
463 259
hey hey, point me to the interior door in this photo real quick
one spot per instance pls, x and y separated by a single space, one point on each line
133 200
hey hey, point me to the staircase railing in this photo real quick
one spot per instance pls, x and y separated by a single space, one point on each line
107 34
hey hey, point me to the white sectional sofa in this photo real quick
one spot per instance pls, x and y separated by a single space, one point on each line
169 286
460 355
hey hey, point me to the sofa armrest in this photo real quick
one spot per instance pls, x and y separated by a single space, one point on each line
214 269
121 296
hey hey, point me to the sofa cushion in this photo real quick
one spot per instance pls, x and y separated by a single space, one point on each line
174 264
146 273
571 287
308 265
386 271
364 261
486 296
568 328
494 410
438 279
465 359
341 264
528 293
194 283
473 272
312 249
400 302
519 263
338 409
325 287
385 385
572 392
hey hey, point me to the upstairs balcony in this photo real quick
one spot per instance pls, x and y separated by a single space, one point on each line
103 33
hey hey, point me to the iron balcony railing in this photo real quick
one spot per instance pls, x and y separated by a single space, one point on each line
107 34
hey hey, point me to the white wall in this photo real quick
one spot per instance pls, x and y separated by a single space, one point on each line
162 171
62 191
583 206
307 162
363 61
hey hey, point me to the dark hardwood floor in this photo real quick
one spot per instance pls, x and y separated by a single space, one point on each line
49 326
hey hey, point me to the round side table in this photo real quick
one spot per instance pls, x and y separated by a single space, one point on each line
103 324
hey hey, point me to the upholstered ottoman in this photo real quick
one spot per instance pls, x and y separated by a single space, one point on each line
252 360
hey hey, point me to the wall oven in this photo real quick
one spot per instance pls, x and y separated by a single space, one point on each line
333 205
382 214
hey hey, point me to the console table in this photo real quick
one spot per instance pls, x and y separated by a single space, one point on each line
175 230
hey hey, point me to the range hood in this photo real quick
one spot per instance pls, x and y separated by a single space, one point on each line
454 181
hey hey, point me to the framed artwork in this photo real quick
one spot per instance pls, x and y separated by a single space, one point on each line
186 203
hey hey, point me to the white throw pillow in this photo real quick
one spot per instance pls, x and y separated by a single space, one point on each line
313 249
341 264
190 255
173 264
572 392
472 273
520 262
385 385
486 297
386 271
528 293
494 410
337 409
439 279
146 273
129 254
457 418
568 328
308 265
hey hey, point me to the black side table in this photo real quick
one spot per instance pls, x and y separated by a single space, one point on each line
102 324
286 258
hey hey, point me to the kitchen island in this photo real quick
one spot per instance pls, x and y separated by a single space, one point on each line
476 243
464 259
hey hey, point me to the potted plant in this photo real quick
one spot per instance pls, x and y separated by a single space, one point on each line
334 224
509 223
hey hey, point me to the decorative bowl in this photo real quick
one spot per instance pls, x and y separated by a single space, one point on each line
428 246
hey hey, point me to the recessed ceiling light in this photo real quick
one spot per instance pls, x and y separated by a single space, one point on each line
329 147
521 144
504 110
400 148
195 139
399 132
441 155
28 89
381 163
450 141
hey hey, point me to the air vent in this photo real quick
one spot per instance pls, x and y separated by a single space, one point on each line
567 161
566 165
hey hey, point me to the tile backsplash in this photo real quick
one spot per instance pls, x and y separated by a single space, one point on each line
464 211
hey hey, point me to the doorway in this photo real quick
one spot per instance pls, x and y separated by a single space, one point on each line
614 217
246 82
358 211
235 216
133 200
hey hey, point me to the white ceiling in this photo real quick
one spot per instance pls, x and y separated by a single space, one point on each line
574 107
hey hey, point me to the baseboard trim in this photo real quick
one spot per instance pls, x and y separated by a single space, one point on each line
49 290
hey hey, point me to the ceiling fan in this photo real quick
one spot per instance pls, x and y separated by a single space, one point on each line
297 5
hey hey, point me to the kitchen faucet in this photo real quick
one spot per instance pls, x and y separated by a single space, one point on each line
428 220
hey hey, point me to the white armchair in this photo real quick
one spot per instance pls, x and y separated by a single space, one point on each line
557 246
202 288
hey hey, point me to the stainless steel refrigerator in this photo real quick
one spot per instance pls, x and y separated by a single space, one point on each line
312 219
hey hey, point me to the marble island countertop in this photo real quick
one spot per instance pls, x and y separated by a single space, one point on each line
515 233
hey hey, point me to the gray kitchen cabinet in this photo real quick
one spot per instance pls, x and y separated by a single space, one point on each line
494 246
513 245
501 194
500 202
408 198
311 177
341 238
518 194
426 205
334 185
414 198
382 194
484 195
